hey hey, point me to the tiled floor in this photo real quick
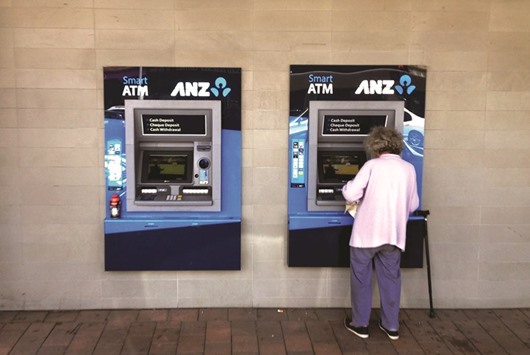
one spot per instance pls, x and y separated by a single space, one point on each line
259 331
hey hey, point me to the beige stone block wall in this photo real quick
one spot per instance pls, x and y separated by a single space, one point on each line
477 157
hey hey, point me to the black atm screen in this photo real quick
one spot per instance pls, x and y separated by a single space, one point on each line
351 125
339 167
166 166
171 124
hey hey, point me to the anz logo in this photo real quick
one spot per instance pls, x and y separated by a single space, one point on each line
202 89
386 87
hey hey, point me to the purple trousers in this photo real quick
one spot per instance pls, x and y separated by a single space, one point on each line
386 260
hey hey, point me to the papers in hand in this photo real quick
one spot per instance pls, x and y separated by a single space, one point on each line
351 208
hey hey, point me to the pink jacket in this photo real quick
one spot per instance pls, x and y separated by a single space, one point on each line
387 188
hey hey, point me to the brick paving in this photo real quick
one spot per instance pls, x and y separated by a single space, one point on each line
259 331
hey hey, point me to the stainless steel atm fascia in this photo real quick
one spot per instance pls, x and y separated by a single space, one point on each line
358 107
130 137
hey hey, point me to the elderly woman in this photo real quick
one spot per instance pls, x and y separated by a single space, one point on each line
386 185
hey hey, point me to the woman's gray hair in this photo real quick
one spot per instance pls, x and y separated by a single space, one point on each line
384 140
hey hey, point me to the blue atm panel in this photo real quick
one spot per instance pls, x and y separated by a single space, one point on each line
173 245
173 168
332 109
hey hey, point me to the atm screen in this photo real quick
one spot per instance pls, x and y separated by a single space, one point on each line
339 167
172 124
166 166
351 125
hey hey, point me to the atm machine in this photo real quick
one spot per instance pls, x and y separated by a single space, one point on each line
332 110
173 169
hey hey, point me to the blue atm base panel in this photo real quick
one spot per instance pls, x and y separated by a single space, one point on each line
198 247
329 246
